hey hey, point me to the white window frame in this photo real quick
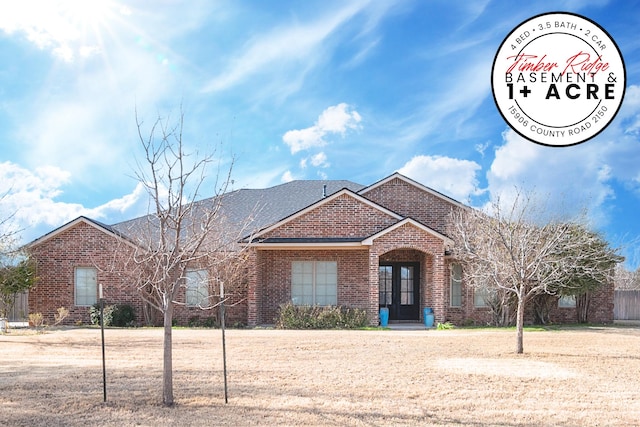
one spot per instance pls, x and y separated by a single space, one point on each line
314 283
567 301
85 286
455 287
197 288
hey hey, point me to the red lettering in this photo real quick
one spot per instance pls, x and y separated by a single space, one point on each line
522 63
581 62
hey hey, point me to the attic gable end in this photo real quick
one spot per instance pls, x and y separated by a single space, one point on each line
316 207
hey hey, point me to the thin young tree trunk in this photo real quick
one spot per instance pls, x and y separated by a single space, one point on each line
167 368
520 326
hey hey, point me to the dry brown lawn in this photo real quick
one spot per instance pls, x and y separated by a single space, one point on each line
572 377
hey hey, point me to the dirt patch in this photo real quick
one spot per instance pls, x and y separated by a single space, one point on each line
509 368
455 377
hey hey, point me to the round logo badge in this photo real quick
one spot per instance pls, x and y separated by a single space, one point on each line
558 79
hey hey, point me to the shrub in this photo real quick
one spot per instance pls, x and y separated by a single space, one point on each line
60 315
315 317
36 319
123 315
443 326
94 314
210 322
199 322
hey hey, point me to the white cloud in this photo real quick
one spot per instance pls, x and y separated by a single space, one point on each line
31 198
287 177
68 28
337 119
453 177
512 158
524 166
320 160
298 44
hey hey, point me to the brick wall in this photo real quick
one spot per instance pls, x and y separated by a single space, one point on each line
275 286
343 216
82 245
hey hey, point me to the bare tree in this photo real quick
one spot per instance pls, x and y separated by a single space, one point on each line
179 234
507 250
626 279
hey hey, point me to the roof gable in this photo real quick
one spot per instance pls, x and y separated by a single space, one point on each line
416 184
407 221
323 202
71 224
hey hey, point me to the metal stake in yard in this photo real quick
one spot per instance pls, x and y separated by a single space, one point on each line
224 345
104 368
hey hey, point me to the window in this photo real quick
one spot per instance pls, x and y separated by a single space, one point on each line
385 280
197 294
567 301
86 289
481 296
406 285
314 282
456 285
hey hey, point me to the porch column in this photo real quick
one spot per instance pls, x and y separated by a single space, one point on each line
373 303
253 295
439 287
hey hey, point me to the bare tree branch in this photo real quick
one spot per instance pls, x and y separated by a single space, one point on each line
506 251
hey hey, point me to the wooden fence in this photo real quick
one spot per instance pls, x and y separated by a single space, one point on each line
20 311
626 305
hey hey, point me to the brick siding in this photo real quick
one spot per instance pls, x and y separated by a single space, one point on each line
343 216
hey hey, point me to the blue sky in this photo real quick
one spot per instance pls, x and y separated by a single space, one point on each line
294 90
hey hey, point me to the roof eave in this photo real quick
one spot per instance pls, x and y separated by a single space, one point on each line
307 246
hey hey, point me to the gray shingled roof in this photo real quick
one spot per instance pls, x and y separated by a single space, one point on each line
266 206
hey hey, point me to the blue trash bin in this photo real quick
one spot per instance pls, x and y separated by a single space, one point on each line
384 317
427 316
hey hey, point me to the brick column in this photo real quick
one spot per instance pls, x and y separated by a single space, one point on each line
253 294
439 283
373 304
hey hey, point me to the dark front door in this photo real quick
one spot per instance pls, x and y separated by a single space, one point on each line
400 290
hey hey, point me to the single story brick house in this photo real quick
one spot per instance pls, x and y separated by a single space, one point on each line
315 242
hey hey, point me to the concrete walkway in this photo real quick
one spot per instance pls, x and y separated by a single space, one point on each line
412 326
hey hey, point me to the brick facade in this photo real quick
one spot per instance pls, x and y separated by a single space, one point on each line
405 198
343 216
57 258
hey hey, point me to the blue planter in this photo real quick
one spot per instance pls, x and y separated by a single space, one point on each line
384 317
427 316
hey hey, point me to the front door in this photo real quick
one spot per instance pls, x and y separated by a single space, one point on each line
399 290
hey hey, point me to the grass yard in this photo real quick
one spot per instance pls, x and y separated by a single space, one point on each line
569 377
